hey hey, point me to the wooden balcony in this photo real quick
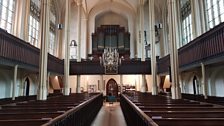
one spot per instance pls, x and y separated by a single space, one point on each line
16 51
207 48
94 67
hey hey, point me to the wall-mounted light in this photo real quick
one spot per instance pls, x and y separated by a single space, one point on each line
73 43
60 26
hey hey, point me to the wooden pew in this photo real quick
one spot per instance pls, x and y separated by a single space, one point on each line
190 121
158 108
25 122
167 112
33 115
185 114
31 110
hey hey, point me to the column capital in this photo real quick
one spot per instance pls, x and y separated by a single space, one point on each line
79 2
141 2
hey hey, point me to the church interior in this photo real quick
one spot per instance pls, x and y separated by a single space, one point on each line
112 62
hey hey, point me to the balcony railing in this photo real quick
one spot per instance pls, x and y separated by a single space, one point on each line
208 46
16 51
94 67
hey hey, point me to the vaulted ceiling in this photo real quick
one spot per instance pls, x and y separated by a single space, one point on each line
88 5
125 8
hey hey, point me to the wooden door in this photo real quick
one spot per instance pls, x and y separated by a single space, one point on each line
112 88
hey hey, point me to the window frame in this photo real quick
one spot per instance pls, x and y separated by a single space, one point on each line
9 10
213 13
186 23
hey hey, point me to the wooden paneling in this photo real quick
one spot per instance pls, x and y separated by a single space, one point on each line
17 51
94 67
208 46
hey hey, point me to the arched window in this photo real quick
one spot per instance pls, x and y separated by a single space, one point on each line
215 12
73 50
52 42
186 19
34 22
7 9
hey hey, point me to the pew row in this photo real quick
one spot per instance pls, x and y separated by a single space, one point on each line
165 111
76 109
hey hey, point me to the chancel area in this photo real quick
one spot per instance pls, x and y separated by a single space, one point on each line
111 62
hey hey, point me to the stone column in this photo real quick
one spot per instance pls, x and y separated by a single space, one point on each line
173 36
143 86
66 89
20 16
78 84
79 4
86 38
26 29
181 82
121 82
197 18
48 82
101 84
202 15
203 81
153 46
142 43
165 33
14 82
44 40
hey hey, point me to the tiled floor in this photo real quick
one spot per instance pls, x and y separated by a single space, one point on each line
110 115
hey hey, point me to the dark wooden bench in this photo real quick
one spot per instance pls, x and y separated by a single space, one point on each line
34 115
176 105
185 114
167 112
158 108
25 122
210 99
30 110
190 121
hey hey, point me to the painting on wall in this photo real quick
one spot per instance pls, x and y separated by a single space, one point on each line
92 88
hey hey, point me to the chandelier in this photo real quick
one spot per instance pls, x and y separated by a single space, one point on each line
110 60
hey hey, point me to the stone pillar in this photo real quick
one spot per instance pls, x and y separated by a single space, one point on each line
20 17
174 40
86 38
121 82
153 46
101 84
141 32
78 90
165 33
197 18
14 82
143 86
66 89
181 83
202 15
48 82
203 81
44 40
26 22
79 4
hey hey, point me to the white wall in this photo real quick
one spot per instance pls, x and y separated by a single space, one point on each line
6 82
133 80
217 82
6 76
214 81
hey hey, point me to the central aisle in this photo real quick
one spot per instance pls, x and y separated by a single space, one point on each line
110 115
